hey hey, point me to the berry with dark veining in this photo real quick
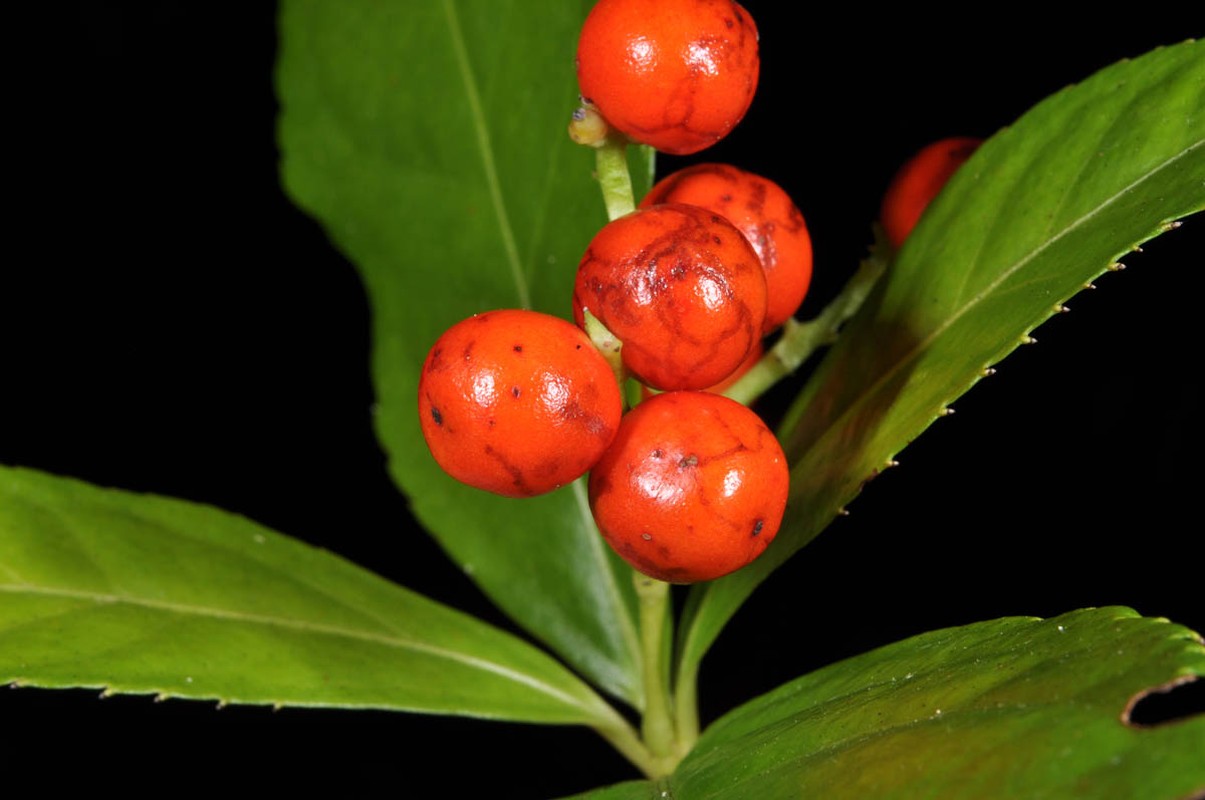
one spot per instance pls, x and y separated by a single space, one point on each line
681 288
761 210
693 487
674 74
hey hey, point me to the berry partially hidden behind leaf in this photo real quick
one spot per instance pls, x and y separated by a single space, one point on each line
918 182
761 210
694 487
674 74
517 402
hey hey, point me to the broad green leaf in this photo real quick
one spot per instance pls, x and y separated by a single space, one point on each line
91 579
1039 211
430 139
1017 707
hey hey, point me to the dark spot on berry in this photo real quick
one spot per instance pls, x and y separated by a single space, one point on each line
726 198
757 526
717 240
728 23
690 461
436 416
577 347
518 348
658 453
515 392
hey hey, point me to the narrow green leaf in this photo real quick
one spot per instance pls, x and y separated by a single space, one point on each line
1017 707
430 139
1038 212
90 579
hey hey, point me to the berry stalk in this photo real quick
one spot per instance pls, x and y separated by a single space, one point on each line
800 339
610 158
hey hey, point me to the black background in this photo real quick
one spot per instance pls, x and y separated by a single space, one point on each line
170 323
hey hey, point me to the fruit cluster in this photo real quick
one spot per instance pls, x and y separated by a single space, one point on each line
688 485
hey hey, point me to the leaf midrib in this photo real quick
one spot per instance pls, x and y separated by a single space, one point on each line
297 625
486 147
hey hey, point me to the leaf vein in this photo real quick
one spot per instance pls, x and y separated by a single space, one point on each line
486 147
302 626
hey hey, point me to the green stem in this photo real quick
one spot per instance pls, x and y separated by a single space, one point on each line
657 727
623 737
611 161
686 693
800 339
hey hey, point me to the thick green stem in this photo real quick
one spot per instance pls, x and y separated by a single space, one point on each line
657 727
800 339
623 737
611 161
686 706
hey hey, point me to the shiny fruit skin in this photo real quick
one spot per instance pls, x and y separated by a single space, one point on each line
918 181
761 210
674 74
693 487
681 288
755 355
517 402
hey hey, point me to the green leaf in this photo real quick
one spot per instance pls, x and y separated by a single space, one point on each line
1017 707
1040 210
430 139
91 580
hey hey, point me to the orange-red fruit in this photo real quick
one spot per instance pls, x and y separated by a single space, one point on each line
674 74
693 487
517 402
681 288
761 210
755 355
919 181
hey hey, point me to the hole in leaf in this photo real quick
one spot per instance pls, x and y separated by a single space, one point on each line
1171 702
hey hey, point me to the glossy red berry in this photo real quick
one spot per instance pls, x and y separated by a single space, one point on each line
918 182
755 355
761 210
517 402
674 74
693 487
681 288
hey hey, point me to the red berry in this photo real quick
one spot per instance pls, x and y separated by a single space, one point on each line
693 487
755 355
762 211
674 74
517 402
919 181
681 288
